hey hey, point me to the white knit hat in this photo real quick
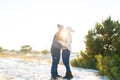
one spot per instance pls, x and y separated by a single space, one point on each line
70 29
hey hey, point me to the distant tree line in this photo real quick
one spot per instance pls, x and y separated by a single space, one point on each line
26 49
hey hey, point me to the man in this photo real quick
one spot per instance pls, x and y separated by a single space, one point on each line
55 52
61 41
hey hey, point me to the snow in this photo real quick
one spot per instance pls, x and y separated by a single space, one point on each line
19 69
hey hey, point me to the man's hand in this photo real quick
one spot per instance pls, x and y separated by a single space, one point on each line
63 47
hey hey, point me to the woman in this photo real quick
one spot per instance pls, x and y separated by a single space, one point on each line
66 49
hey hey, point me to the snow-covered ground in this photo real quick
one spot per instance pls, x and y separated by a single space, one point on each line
19 69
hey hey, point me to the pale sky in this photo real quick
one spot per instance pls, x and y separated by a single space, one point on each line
34 22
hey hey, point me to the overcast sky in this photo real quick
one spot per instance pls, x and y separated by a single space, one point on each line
34 22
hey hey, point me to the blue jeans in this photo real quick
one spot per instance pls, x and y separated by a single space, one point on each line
55 52
65 58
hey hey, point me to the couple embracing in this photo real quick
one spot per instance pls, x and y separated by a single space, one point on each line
61 44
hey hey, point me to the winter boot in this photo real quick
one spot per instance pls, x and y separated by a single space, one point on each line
58 76
68 75
55 77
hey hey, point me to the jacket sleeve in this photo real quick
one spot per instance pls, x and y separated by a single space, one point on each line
66 43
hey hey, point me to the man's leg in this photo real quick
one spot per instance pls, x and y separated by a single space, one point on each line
55 52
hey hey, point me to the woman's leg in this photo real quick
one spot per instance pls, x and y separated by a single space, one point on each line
65 58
